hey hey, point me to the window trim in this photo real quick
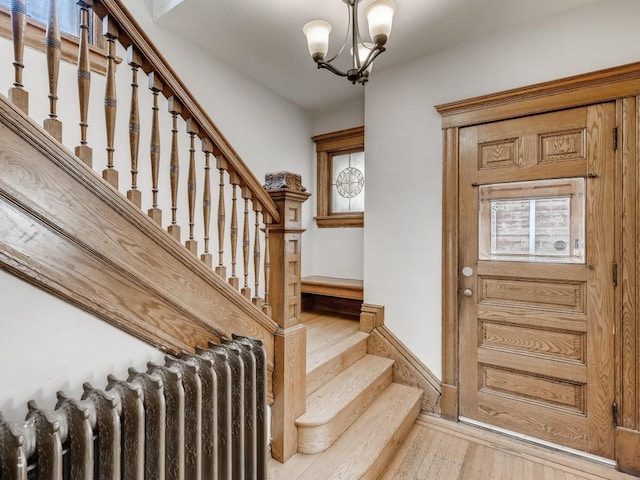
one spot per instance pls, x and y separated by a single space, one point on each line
327 145
35 34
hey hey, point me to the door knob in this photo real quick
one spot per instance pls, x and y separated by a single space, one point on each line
468 292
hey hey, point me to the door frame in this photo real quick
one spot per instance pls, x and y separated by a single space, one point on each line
621 85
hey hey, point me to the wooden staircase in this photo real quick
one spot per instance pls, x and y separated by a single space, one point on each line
356 416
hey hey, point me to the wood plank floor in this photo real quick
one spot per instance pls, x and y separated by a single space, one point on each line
438 449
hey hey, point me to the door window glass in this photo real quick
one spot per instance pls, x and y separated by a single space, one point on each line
535 221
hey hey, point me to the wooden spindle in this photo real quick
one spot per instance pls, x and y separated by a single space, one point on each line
234 280
110 32
221 269
175 109
246 290
266 307
155 85
17 94
83 151
134 59
192 130
257 208
53 45
207 148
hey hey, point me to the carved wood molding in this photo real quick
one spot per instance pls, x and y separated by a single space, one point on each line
407 369
584 89
67 231
154 61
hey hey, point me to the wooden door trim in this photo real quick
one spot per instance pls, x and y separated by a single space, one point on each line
595 87
620 84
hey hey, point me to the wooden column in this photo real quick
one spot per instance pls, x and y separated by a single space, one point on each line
17 94
84 151
289 375
53 45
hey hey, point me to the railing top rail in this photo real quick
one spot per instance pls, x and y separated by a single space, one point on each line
153 61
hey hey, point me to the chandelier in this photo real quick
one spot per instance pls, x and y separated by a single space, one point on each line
379 16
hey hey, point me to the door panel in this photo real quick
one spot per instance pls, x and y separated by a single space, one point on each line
537 313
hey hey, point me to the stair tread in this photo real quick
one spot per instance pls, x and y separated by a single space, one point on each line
322 356
362 450
326 403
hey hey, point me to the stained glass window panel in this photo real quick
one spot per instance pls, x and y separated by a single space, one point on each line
347 183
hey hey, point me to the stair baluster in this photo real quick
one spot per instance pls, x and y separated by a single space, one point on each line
134 60
257 301
192 130
174 170
234 280
110 174
246 290
221 269
155 85
53 51
17 94
266 307
84 151
207 148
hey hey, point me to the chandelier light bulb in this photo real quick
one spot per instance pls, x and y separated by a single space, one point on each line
364 49
380 18
317 33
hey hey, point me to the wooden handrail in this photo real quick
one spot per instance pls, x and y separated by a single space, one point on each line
154 61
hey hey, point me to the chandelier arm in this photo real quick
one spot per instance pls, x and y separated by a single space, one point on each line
346 36
331 68
373 54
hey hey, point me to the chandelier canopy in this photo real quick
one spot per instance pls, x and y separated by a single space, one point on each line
379 14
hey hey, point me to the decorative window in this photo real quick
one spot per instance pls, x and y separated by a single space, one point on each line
67 13
341 178
69 19
536 221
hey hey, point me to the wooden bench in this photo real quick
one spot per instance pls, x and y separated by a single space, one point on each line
336 295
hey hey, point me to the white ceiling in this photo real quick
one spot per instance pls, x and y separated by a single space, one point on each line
264 40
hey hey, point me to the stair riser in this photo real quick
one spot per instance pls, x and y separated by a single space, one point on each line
317 438
326 371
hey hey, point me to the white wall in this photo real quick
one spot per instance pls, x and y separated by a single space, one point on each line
47 345
337 252
402 238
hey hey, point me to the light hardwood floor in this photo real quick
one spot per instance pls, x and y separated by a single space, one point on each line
437 449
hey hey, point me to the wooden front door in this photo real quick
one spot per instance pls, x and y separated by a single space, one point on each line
536 286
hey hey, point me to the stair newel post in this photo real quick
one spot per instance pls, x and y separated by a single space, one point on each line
289 375
222 165
53 44
267 220
235 181
84 151
192 130
174 167
155 85
207 148
134 59
246 290
110 32
17 94
257 301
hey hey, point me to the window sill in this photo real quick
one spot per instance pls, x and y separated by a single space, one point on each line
34 38
341 220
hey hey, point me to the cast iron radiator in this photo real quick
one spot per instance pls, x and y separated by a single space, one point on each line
199 416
